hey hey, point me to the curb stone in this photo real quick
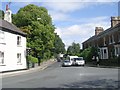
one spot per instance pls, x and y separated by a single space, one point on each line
41 67
100 66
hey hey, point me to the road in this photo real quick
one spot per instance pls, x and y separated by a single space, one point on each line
56 76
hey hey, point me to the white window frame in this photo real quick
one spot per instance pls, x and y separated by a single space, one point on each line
2 55
19 40
2 36
109 39
113 41
117 50
119 37
104 41
18 57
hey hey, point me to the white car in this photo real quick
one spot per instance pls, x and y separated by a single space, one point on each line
66 63
79 61
71 58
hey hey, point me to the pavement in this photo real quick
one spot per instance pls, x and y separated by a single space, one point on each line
101 66
42 66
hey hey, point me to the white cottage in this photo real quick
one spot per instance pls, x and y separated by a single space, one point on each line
12 45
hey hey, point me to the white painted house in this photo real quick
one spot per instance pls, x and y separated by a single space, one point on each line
12 45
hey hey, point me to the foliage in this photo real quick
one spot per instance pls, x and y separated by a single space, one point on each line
1 14
37 23
88 53
59 46
74 49
110 62
32 59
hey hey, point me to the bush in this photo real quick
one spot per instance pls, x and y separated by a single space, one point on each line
87 54
32 59
110 62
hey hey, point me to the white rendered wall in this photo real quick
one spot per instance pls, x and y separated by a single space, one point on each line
11 49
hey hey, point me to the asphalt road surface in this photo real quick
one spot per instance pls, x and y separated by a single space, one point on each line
56 76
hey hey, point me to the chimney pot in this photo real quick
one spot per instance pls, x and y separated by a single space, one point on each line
98 30
115 21
7 7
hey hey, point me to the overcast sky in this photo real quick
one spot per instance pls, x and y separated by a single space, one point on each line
75 20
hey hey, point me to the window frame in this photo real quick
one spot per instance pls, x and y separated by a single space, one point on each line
19 40
19 56
2 57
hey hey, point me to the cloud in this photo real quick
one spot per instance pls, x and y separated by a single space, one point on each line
80 33
65 6
60 0
58 16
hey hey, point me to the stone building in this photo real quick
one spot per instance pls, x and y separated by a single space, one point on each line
107 41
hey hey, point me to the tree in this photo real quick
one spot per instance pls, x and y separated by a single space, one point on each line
59 45
88 53
1 14
37 23
74 49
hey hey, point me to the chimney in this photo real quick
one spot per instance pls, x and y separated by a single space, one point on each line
98 30
7 7
8 15
115 21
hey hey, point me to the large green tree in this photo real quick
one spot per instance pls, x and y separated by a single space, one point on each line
74 49
37 23
1 14
59 45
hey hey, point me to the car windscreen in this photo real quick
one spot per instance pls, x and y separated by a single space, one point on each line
66 61
78 58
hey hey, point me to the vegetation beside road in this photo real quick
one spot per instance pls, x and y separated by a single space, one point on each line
92 51
37 23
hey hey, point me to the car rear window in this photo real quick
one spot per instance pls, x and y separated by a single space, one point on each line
78 58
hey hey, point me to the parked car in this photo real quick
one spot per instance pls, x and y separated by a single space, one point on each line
71 58
66 63
79 61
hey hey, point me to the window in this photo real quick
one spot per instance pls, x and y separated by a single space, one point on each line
1 58
117 50
111 39
18 40
104 41
18 57
105 51
119 37
2 37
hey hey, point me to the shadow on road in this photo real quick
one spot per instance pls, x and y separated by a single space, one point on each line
104 83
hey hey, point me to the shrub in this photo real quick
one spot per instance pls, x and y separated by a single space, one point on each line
110 62
87 54
32 59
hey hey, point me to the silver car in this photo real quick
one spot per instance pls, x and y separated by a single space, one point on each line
66 63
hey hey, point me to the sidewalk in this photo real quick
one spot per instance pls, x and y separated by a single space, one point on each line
42 66
101 66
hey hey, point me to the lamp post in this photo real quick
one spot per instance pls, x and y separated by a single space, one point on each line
28 50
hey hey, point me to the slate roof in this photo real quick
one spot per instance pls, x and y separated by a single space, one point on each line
9 27
106 32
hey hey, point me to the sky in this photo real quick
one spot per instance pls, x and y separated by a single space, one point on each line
75 20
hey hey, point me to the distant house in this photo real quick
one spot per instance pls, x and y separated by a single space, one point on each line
12 45
108 41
